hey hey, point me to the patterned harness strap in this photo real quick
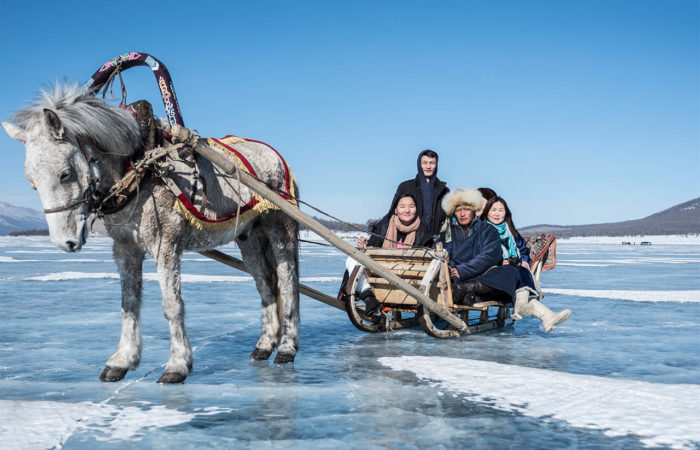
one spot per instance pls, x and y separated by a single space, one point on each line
122 62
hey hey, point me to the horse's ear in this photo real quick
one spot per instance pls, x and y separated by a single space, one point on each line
54 124
14 131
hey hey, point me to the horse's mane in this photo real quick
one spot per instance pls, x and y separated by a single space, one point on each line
83 114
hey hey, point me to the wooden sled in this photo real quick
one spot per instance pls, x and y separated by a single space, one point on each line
428 271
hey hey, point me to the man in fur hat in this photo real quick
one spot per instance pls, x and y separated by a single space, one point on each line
428 191
473 246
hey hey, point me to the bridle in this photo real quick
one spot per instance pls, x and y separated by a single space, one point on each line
117 197
90 196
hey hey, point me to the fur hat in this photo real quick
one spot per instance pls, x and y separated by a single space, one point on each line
471 198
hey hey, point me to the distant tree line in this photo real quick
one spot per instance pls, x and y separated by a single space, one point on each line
334 225
43 232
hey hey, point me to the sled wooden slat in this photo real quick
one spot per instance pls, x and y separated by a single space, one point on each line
403 254
411 265
481 306
407 274
411 270
393 296
415 281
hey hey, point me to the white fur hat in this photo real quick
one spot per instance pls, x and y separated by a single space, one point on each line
471 198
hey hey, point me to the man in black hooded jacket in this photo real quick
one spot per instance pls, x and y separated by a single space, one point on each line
428 191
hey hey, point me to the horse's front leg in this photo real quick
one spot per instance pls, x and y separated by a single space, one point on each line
180 362
128 355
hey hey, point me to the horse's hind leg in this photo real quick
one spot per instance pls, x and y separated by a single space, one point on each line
130 264
282 234
180 362
254 247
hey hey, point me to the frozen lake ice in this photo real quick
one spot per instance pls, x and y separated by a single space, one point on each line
624 371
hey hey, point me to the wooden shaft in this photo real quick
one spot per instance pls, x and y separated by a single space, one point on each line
238 264
228 165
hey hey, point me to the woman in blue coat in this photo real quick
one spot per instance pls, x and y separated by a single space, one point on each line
515 254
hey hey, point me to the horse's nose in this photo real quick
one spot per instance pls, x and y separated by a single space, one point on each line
72 245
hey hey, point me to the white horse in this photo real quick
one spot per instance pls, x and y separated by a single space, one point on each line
77 147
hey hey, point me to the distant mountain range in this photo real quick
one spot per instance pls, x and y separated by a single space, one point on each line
680 219
19 218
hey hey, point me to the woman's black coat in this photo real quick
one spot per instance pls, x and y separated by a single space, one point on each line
424 237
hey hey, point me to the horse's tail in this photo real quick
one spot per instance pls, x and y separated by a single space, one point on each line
295 192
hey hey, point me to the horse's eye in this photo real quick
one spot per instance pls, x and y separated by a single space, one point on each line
32 185
66 174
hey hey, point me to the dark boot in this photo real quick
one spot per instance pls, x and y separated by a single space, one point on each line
371 302
468 293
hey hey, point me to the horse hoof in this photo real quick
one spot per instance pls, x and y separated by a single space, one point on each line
172 377
283 358
112 374
260 355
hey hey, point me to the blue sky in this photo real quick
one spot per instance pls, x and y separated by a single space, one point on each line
575 112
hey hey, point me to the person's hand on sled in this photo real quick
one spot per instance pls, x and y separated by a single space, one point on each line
361 242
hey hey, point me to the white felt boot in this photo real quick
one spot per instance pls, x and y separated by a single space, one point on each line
549 318
522 307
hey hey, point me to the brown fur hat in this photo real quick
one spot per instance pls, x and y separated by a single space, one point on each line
471 198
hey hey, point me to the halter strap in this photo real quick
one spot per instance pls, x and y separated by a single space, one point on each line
90 194
85 199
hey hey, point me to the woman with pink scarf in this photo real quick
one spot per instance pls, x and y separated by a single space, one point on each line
401 228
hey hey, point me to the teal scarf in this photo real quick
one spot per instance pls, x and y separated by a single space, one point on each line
507 240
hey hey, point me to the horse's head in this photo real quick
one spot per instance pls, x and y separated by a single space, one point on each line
71 138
